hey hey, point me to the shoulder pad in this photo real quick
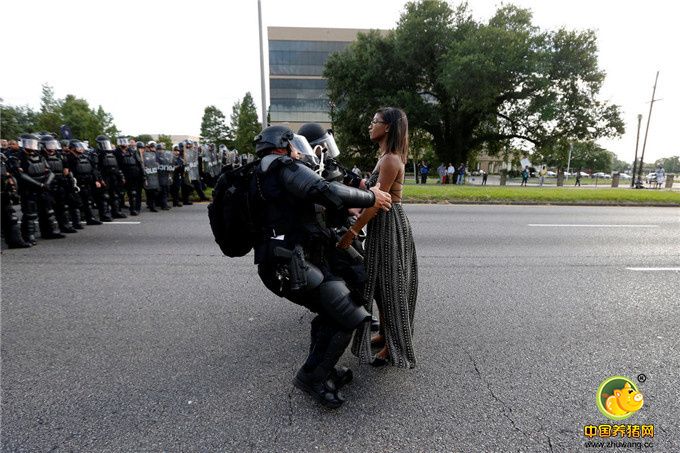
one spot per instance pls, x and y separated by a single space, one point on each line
272 161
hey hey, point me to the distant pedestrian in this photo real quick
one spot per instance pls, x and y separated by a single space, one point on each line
525 176
485 175
660 176
578 178
450 171
424 170
541 175
461 174
356 170
441 171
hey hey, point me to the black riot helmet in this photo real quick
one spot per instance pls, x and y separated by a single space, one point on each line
159 146
64 144
103 143
76 146
141 145
317 135
122 141
30 142
49 144
273 137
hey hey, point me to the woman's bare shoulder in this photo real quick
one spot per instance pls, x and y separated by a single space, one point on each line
391 161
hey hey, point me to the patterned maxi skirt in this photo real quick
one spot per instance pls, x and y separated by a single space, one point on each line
392 270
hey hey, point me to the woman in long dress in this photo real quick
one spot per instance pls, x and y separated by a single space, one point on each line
391 262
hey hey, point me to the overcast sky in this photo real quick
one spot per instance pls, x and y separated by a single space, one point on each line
155 65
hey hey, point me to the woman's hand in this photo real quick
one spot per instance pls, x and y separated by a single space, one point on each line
383 200
354 212
346 240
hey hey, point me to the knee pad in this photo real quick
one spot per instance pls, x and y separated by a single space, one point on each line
335 300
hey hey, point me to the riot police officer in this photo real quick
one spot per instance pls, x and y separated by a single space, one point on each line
111 175
131 165
166 167
151 183
191 171
84 169
63 182
35 180
295 254
177 176
9 197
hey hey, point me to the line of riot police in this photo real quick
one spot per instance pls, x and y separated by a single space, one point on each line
61 184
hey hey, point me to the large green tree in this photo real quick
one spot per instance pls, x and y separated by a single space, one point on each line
49 117
244 124
472 85
85 122
214 128
15 121
586 155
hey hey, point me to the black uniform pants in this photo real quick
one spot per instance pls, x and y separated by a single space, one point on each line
133 186
113 192
329 339
37 206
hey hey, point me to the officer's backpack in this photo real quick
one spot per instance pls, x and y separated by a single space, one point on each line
230 212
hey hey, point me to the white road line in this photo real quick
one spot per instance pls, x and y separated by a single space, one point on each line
122 223
654 269
575 225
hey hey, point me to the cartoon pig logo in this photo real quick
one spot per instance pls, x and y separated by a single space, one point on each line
618 398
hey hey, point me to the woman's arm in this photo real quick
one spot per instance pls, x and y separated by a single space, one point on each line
389 170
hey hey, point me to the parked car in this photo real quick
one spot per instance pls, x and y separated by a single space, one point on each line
601 174
625 176
551 173
651 177
566 173
584 175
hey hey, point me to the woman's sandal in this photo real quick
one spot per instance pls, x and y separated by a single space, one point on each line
379 360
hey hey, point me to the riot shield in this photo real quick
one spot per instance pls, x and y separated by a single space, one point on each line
166 168
215 164
151 170
191 162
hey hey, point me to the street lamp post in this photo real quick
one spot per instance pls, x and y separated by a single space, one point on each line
637 143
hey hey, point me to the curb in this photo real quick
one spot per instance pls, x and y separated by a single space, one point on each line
542 203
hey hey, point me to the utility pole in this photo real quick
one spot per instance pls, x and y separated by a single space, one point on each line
637 143
649 117
262 91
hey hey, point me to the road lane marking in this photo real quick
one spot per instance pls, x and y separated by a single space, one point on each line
122 223
585 225
654 269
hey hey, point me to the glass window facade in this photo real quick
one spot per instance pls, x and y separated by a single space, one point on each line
301 99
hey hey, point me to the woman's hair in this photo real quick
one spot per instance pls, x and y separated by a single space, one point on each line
397 135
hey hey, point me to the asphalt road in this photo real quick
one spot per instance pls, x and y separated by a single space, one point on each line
143 337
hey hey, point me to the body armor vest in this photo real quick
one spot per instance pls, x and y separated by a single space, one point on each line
110 161
84 170
56 165
36 168
130 164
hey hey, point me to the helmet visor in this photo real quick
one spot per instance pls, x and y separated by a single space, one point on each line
328 142
106 145
122 141
29 143
301 144
78 146
52 145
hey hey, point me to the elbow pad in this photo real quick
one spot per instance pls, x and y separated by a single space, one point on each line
302 182
351 197
29 180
